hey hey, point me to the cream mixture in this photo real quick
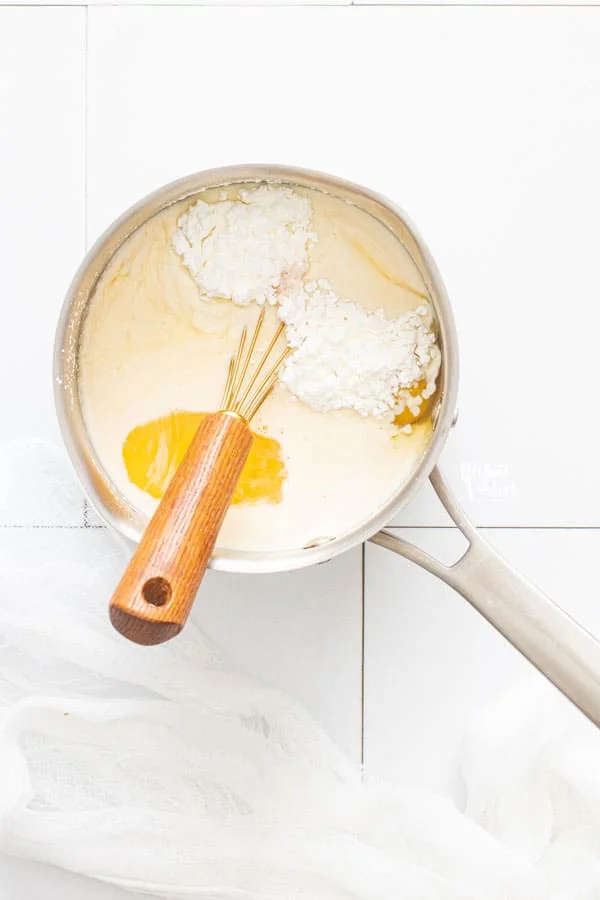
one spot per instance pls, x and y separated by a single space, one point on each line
156 340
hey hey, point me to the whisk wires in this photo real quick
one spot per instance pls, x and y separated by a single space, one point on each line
244 396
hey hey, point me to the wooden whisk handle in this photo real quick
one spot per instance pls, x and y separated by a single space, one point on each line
155 595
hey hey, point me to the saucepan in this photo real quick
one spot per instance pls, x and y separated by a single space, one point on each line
557 645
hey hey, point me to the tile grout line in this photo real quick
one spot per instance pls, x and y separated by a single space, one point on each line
492 4
350 4
362 657
86 520
189 5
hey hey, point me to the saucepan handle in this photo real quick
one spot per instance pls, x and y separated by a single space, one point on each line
567 654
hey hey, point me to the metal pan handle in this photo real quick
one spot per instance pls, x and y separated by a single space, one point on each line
563 651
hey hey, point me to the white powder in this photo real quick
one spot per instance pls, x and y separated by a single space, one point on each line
242 250
256 249
348 358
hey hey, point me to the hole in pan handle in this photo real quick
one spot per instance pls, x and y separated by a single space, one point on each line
563 651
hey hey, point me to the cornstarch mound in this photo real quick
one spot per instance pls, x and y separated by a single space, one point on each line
348 358
241 250
257 249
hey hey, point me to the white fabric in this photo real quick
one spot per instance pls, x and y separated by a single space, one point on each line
161 770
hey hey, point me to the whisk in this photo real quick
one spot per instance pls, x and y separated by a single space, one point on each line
155 595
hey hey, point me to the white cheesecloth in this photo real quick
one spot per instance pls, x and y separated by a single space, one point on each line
164 771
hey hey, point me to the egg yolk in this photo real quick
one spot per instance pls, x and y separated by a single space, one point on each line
407 417
153 451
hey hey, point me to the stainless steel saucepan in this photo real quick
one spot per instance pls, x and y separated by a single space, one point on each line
560 648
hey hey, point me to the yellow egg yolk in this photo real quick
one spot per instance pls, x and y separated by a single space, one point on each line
153 451
407 417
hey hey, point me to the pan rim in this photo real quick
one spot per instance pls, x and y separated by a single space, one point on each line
110 504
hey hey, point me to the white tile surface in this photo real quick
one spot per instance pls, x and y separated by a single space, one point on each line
300 631
42 165
37 487
516 3
490 147
431 662
198 110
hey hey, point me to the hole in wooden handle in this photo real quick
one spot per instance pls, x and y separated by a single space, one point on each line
157 591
